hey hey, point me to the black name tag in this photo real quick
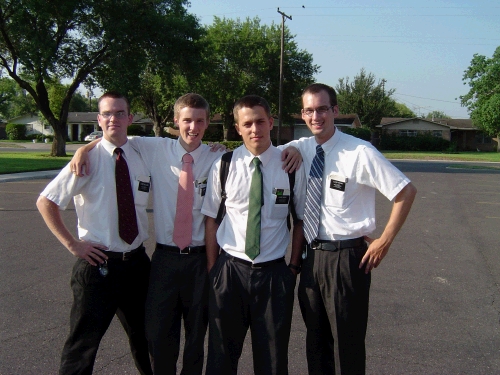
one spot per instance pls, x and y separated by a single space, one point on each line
144 186
282 199
337 185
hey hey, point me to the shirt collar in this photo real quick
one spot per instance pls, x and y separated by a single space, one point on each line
110 147
265 157
196 153
332 142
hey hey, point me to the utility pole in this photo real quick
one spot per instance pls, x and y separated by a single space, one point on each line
280 104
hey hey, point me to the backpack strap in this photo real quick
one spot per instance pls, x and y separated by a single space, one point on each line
224 170
291 205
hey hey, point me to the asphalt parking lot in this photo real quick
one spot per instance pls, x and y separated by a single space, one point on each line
434 306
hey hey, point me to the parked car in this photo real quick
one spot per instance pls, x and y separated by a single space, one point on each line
93 135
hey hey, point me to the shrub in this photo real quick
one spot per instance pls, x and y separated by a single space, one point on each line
422 142
362 133
15 131
135 130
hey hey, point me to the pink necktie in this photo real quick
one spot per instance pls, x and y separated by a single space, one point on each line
183 224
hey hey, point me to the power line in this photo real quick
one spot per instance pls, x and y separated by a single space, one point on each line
419 97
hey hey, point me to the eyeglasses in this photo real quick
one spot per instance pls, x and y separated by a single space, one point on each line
320 111
117 115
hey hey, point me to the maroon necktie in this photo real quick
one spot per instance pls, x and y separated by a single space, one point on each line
127 220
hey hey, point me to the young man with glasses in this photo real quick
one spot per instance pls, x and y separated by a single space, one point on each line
111 274
344 174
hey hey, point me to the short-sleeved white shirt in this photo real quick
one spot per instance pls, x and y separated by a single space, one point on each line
163 157
274 232
95 196
350 213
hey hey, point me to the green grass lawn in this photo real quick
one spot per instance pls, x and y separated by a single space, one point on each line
13 162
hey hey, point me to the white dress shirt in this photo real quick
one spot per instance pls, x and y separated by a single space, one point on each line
95 196
231 234
163 157
356 166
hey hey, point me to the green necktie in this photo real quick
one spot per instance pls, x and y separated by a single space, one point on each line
252 243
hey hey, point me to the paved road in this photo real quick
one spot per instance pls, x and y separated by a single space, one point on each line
435 299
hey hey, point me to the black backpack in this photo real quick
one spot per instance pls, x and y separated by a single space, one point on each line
224 170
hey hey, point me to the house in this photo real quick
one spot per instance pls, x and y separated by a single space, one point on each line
80 124
459 131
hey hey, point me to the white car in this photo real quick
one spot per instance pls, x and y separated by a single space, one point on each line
93 135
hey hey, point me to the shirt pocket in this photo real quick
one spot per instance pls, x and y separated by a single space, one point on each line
200 189
278 207
142 186
335 190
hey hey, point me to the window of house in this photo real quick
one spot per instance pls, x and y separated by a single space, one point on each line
47 127
483 139
407 133
437 133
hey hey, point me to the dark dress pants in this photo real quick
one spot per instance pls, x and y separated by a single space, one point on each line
178 289
96 299
333 295
241 297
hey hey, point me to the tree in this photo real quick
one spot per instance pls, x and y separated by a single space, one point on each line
366 97
437 114
403 111
243 57
483 98
157 97
83 41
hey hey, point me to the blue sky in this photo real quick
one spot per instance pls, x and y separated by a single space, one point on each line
420 47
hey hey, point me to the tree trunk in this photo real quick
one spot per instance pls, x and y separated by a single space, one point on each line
158 129
60 135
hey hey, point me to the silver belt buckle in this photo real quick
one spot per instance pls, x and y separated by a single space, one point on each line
315 245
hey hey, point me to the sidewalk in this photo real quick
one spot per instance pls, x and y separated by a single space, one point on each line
12 177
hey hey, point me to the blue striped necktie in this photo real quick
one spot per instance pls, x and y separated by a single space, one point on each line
313 197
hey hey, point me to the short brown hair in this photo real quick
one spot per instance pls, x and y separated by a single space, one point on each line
315 88
191 100
114 95
251 101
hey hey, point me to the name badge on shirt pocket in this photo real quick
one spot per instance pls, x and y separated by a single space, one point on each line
201 185
337 182
282 195
144 183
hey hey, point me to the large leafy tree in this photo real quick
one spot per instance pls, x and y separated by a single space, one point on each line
403 111
437 114
483 98
83 41
243 57
367 97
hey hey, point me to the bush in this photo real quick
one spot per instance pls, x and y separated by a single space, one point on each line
15 131
362 133
422 142
135 130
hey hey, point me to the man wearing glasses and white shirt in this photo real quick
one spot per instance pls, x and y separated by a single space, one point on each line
112 272
344 174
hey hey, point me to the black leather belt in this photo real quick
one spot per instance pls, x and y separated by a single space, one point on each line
186 250
336 245
254 265
127 255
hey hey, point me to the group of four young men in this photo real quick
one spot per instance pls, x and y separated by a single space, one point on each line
211 272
